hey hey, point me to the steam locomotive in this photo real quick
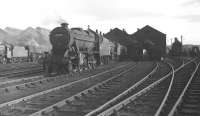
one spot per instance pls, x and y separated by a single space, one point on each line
74 49
176 48
13 54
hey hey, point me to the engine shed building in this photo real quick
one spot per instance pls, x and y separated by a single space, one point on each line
127 48
152 40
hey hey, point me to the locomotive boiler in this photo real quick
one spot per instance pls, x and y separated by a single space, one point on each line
85 40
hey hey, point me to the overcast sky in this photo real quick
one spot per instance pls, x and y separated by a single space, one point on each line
172 17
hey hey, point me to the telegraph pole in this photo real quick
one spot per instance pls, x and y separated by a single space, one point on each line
181 43
171 41
181 39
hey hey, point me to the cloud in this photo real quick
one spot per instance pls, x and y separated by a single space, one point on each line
115 14
191 2
191 17
113 10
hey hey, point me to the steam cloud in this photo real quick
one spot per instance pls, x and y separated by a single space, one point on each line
53 19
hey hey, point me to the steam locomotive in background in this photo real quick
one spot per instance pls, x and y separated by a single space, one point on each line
179 50
77 49
12 54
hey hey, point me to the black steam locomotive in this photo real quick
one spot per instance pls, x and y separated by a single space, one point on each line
74 48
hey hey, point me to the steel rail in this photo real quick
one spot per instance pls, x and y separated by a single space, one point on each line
56 88
167 94
173 110
20 71
27 83
118 106
65 101
17 68
26 79
122 94
21 79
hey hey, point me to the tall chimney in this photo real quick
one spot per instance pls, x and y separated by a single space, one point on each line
171 40
181 39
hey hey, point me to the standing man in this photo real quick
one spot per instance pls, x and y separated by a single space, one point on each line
47 63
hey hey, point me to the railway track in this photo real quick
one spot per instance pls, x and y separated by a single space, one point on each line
9 85
188 103
10 67
102 110
175 62
144 102
20 88
105 90
105 96
13 107
22 72
6 82
16 70
177 85
145 105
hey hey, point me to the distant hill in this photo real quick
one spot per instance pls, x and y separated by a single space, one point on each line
12 31
3 35
27 35
34 37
